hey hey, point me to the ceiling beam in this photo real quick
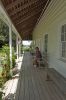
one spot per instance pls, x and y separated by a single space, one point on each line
26 27
25 7
28 23
21 2
26 14
27 18
22 29
25 31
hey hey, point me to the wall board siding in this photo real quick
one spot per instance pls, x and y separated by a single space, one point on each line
52 20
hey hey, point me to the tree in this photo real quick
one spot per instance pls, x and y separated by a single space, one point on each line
4 33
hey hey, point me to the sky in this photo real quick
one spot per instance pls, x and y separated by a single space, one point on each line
26 42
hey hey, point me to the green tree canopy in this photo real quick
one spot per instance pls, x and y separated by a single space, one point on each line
4 33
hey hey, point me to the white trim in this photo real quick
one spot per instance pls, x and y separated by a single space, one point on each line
10 45
44 42
60 26
17 51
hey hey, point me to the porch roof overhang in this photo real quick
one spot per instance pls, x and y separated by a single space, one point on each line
25 14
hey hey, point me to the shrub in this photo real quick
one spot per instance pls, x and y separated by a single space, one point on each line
6 74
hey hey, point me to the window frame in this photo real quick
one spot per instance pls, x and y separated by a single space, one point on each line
63 40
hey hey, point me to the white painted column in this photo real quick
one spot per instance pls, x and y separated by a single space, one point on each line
20 48
10 44
17 47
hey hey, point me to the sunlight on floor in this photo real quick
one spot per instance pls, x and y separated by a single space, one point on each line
10 86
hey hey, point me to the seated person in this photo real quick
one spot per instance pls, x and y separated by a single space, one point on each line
37 57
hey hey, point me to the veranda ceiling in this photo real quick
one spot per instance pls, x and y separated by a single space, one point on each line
24 14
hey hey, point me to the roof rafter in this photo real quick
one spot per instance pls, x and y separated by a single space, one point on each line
24 14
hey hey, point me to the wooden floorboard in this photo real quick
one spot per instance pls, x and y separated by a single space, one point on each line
33 86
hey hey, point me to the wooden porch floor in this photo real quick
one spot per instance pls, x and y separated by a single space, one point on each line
32 84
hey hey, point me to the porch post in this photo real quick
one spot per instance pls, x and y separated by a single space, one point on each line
17 46
10 44
21 48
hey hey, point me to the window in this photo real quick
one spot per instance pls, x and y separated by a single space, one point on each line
46 42
63 41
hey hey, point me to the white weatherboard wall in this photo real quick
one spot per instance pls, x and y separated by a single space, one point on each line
52 20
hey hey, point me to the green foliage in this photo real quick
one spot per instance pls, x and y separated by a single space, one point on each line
2 38
14 40
1 95
5 53
25 48
1 82
6 50
13 58
4 33
6 72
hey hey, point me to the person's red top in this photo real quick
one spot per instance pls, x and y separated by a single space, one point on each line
38 54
